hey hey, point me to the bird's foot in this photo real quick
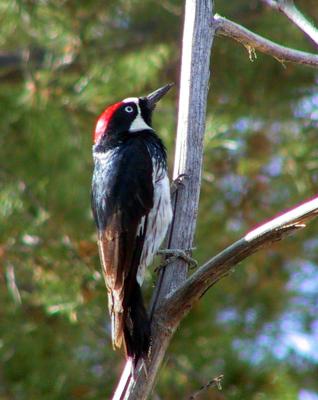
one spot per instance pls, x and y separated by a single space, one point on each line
173 254
178 182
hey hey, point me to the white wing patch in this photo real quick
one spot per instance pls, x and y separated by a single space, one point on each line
158 222
141 226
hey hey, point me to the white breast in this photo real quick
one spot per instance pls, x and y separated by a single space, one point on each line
158 221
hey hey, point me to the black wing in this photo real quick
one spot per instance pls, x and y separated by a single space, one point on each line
122 196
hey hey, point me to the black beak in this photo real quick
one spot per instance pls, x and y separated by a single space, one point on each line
153 98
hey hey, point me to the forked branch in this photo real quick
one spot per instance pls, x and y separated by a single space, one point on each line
175 294
253 42
175 305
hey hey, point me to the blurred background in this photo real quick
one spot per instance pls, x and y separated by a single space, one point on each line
61 63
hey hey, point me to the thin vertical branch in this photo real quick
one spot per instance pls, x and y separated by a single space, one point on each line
194 83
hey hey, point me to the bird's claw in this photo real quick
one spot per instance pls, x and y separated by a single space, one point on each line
173 254
179 181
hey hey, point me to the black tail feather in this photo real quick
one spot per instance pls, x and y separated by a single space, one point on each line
136 327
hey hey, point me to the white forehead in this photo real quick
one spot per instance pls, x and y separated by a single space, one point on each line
132 100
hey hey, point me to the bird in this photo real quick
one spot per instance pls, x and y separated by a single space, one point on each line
132 210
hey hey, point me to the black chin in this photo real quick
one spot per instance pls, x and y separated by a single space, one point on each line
146 112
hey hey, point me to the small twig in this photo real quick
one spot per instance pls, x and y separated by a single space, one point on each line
249 39
288 8
215 382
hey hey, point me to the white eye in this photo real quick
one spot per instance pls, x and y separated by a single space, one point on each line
129 109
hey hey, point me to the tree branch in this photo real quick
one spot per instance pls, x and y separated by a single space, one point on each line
179 303
253 41
175 294
288 8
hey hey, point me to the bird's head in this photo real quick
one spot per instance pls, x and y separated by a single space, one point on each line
129 115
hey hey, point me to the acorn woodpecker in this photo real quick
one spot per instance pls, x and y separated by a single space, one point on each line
132 210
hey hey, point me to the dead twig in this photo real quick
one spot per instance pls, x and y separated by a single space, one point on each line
215 382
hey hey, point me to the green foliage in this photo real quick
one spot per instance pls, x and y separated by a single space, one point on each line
67 61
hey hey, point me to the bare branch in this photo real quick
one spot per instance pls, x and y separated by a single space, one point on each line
178 303
252 41
288 8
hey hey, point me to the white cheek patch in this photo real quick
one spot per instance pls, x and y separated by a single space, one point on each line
138 123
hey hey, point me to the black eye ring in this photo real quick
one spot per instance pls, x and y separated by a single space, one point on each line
129 109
